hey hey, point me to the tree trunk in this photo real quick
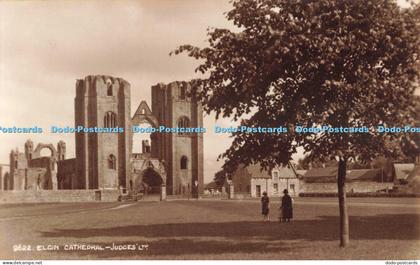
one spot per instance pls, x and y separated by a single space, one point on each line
344 218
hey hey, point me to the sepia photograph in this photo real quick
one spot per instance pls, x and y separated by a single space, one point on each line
214 130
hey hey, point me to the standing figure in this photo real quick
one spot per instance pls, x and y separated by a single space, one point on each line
286 207
264 205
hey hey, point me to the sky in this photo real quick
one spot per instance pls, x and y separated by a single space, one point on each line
46 45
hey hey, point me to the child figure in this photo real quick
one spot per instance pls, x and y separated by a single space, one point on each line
265 209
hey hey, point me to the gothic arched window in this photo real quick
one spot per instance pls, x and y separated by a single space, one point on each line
109 88
183 122
183 92
184 162
110 120
112 162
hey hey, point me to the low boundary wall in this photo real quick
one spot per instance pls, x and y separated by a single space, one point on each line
31 196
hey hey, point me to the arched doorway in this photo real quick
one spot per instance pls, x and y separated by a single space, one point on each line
148 177
152 181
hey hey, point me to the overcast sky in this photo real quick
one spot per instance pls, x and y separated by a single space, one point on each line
46 45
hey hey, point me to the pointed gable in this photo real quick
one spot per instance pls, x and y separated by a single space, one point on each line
143 109
144 114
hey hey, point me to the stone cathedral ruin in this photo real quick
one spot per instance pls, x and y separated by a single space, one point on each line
172 163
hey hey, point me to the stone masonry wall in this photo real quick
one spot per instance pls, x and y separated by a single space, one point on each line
31 196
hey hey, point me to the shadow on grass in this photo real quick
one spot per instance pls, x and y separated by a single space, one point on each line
386 226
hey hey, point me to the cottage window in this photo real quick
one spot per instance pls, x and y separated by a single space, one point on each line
275 176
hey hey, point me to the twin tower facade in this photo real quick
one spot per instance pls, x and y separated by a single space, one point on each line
107 161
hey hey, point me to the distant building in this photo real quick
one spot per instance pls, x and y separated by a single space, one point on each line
324 180
253 181
414 180
409 183
212 188
402 171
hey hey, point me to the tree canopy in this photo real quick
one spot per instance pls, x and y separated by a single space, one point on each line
316 62
220 178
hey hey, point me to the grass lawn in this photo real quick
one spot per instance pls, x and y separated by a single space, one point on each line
219 229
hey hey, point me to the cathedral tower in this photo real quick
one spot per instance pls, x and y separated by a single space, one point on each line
103 159
181 152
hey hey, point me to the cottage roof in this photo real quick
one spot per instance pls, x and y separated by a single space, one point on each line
364 175
414 179
321 172
255 171
301 172
286 172
329 174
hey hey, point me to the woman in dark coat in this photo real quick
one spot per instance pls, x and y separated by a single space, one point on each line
286 207
264 205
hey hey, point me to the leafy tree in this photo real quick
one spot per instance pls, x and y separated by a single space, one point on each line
312 63
386 165
411 142
220 178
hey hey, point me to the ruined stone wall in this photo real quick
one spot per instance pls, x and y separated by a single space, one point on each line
48 166
18 166
33 196
6 180
37 178
44 162
66 173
